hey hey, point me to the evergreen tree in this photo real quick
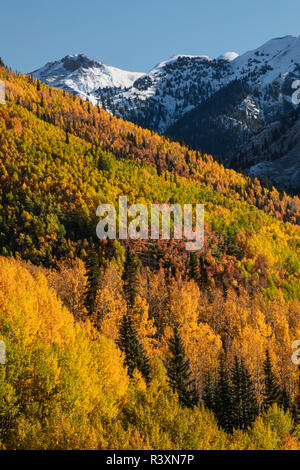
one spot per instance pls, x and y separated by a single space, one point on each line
271 391
209 393
179 373
237 394
223 398
93 265
203 274
128 342
248 398
285 399
130 277
194 268
1 62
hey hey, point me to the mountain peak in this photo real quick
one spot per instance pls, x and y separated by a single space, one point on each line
75 61
229 56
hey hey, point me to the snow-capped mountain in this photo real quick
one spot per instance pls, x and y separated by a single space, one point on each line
216 105
84 77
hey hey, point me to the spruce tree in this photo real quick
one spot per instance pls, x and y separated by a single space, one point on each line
209 393
203 274
248 398
271 390
285 399
223 398
195 269
179 373
94 263
128 342
237 394
130 277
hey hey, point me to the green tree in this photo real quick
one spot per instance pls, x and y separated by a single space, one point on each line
285 399
130 277
179 373
223 398
94 265
209 392
195 269
271 390
244 403
135 357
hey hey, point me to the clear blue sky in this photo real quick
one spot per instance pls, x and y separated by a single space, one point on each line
137 34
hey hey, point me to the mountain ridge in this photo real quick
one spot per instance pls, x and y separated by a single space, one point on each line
165 98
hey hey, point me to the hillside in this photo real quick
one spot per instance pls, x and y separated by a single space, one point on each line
172 97
65 299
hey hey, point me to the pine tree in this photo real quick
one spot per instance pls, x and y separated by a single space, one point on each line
285 399
93 265
203 274
248 398
194 268
223 398
128 342
237 394
209 393
179 373
271 391
130 277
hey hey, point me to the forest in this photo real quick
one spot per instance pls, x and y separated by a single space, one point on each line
138 345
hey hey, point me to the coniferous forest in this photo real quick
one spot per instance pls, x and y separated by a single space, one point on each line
134 344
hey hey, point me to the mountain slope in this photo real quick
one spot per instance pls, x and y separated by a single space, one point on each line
164 98
66 384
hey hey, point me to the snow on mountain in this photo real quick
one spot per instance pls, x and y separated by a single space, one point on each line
80 75
273 59
166 97
230 56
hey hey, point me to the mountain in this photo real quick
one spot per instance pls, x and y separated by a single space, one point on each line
78 315
78 74
196 99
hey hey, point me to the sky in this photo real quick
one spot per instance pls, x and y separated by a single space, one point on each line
137 34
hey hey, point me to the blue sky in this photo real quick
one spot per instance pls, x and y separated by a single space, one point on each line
136 35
